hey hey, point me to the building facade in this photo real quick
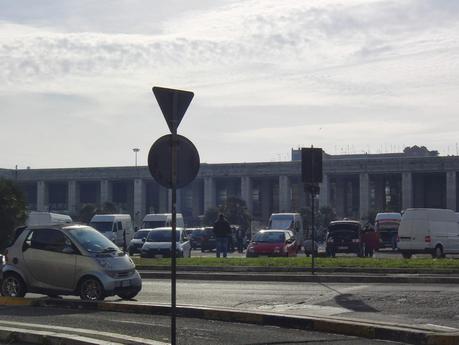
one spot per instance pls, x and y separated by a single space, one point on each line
355 186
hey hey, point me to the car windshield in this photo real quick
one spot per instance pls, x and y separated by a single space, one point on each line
102 226
281 222
270 237
162 236
153 224
141 234
92 240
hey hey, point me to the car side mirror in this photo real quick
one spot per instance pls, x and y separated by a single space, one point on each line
68 250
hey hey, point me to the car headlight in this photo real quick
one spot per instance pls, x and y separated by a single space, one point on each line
277 250
104 263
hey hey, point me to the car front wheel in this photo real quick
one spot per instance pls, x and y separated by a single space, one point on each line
13 286
91 290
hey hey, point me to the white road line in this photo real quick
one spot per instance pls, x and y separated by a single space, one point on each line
120 337
446 328
38 333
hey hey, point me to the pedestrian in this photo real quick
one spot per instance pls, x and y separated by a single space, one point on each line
240 236
370 241
222 231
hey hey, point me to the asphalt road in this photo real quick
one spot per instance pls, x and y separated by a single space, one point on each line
131 327
433 306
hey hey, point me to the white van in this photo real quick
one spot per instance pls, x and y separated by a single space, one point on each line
428 230
161 220
116 227
47 218
288 221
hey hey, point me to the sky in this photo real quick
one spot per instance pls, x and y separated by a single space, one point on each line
350 76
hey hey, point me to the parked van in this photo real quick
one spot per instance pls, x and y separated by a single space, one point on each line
288 221
47 218
386 225
161 220
428 230
116 227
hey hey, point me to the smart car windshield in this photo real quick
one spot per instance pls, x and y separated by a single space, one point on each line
92 240
162 236
270 237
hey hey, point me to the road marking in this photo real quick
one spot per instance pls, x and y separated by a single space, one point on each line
117 336
446 328
62 337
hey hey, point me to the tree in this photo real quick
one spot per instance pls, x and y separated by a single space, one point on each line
235 210
12 210
87 212
211 216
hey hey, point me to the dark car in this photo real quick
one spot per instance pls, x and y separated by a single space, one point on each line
203 238
344 236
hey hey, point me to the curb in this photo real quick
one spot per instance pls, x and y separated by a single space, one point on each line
265 269
373 330
12 335
298 277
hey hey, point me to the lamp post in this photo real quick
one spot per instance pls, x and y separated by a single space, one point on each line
135 149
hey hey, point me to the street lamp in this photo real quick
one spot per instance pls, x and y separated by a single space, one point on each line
135 149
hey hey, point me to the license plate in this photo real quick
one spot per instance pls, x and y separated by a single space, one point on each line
125 283
342 248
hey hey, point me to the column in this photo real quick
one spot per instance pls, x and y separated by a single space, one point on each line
139 201
163 200
246 192
196 199
339 200
324 193
407 190
265 199
105 192
41 196
451 190
210 193
72 197
178 201
285 194
364 195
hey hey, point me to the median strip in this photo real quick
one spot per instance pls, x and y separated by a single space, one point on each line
373 330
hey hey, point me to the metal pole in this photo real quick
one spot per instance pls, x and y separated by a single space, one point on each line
313 237
174 230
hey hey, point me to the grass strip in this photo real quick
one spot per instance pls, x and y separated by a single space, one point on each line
305 262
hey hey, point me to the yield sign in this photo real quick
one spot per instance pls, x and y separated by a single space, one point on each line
173 104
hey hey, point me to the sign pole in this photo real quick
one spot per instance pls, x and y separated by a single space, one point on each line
174 230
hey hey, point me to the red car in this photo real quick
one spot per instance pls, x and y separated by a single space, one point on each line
272 243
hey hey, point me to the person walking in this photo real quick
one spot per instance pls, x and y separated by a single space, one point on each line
222 231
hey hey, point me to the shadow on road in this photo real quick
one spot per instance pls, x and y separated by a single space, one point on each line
350 301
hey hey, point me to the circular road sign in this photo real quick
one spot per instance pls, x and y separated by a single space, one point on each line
160 161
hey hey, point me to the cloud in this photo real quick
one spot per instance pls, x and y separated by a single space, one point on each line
271 67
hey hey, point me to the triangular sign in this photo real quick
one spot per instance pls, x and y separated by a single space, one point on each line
173 104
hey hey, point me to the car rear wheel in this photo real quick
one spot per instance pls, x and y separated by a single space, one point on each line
13 285
438 252
91 290
406 255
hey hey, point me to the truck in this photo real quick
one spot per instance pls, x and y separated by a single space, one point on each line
116 227
47 218
288 221
386 225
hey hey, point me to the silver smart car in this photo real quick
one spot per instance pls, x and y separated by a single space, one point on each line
68 260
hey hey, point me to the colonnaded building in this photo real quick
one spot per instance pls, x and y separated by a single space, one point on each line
353 185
